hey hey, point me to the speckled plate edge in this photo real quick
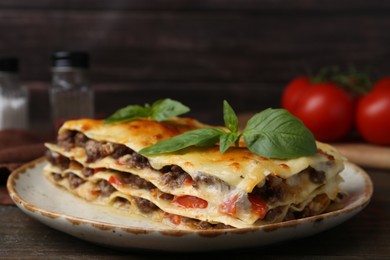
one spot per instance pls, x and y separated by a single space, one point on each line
138 237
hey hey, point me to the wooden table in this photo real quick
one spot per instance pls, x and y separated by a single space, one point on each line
365 236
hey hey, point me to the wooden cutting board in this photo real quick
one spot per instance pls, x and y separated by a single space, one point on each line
366 155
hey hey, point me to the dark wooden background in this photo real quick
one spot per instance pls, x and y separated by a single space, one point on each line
198 51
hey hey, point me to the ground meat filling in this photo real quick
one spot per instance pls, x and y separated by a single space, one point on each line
289 215
166 196
128 178
203 225
272 214
74 180
271 191
275 187
57 159
135 160
80 139
144 205
97 150
174 176
317 177
66 139
121 150
56 176
105 188
137 182
122 201
87 172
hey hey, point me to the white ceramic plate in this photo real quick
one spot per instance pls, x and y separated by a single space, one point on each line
58 209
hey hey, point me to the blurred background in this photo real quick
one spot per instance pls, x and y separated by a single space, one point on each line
199 52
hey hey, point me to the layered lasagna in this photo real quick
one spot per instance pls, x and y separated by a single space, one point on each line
194 188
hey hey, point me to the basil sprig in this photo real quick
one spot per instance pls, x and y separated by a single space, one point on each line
198 137
272 133
160 110
275 133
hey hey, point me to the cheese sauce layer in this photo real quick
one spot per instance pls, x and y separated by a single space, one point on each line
237 166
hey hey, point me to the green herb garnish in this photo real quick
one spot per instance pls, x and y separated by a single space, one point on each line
272 133
275 133
198 137
160 110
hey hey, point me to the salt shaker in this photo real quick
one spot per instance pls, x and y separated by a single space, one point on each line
13 97
71 96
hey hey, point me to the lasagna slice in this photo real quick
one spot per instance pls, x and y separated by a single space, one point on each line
194 188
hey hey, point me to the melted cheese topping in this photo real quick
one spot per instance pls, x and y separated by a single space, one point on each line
136 134
237 166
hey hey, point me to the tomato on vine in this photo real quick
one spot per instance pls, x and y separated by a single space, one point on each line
382 83
327 110
333 102
293 91
373 114
324 103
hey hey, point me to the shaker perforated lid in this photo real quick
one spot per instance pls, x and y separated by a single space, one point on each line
9 64
78 59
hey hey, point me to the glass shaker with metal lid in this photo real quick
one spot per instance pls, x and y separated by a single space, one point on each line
71 95
13 97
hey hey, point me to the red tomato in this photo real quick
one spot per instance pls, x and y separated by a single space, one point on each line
175 219
382 83
258 206
187 201
96 170
373 116
327 110
114 180
293 91
188 181
229 206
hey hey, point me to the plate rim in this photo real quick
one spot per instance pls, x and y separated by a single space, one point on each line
13 177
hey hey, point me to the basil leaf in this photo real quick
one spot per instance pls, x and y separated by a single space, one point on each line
166 108
230 117
275 133
160 110
226 140
198 137
128 113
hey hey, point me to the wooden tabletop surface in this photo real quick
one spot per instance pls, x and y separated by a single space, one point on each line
365 236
